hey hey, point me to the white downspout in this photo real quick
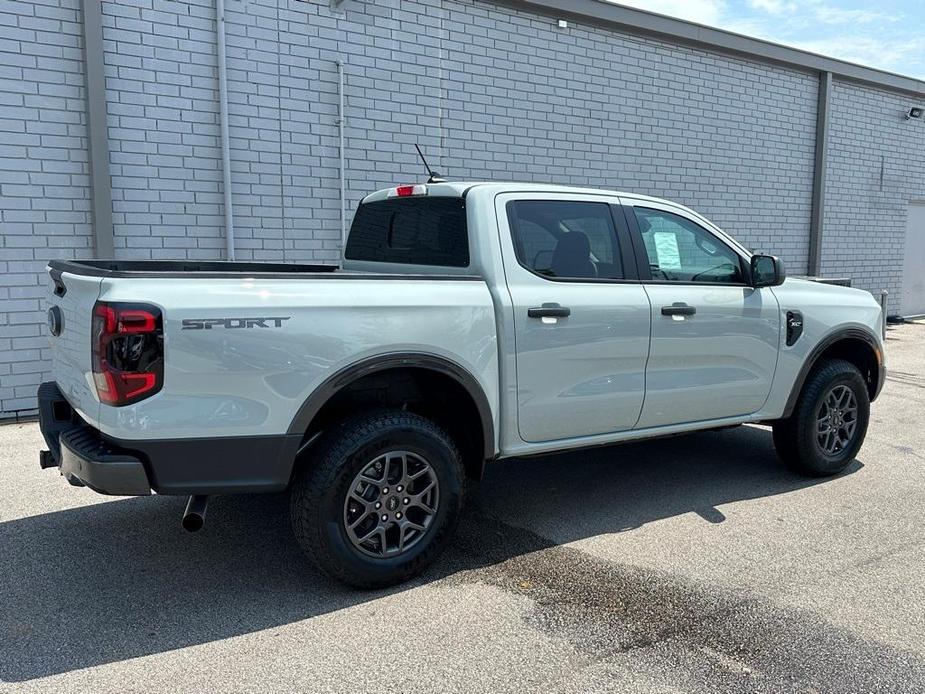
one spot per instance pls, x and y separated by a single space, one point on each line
341 124
223 125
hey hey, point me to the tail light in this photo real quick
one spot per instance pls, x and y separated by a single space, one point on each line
407 191
128 352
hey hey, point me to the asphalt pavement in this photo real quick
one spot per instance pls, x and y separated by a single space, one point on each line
692 564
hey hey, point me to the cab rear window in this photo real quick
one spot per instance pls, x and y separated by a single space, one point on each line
413 231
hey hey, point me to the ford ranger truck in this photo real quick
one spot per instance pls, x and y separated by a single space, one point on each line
468 322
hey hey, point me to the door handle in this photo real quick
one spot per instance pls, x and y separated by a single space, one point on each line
678 308
549 311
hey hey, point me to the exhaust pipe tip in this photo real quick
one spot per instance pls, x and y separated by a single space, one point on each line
193 522
195 515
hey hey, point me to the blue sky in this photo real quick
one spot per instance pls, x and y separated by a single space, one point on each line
888 34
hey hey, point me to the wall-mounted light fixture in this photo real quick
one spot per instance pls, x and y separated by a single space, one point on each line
563 24
915 112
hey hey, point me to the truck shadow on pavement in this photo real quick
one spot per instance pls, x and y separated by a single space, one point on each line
119 579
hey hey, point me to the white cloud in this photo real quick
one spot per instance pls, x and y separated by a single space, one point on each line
870 35
700 11
837 15
866 50
819 11
772 6
802 14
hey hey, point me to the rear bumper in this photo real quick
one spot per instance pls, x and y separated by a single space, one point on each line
84 458
87 459
226 465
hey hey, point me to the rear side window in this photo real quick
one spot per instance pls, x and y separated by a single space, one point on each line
563 239
414 231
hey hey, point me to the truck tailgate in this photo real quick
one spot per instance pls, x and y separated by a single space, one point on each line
71 301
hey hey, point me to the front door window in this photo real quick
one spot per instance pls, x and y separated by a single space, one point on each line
681 251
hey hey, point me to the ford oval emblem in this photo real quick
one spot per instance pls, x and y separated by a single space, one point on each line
55 321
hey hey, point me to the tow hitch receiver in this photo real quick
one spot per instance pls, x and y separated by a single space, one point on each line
47 460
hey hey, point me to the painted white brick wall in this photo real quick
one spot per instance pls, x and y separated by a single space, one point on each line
488 92
44 179
876 167
731 138
162 117
493 93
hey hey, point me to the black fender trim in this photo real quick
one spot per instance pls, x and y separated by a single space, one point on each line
824 344
393 360
215 465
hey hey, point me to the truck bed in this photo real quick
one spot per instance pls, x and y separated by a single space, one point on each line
275 333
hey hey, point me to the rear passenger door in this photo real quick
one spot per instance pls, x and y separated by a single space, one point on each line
714 338
581 318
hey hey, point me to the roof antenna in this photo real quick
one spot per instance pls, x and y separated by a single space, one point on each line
434 176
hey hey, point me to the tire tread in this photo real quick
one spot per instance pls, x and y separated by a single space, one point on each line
332 453
794 437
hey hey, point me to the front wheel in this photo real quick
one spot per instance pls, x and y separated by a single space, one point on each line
827 427
380 500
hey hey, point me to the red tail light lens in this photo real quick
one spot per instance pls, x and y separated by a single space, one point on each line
128 352
407 191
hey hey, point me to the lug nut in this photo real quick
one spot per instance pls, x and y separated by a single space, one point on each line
398 488
385 490
378 505
384 518
407 501
398 515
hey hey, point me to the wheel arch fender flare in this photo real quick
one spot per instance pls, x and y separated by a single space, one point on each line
397 360
821 347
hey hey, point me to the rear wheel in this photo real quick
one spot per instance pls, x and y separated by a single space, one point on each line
380 500
829 422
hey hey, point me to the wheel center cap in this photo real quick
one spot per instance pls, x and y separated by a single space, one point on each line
392 503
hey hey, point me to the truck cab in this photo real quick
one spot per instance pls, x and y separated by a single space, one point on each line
619 313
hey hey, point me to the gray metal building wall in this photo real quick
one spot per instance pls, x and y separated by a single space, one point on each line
490 92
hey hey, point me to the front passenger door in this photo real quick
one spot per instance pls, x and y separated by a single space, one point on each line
714 338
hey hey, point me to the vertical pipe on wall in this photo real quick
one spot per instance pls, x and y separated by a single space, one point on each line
223 125
884 297
341 124
816 224
97 129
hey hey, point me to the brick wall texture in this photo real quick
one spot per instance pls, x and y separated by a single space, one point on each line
489 93
876 167
44 179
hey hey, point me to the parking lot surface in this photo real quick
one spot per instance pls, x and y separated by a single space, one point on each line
692 564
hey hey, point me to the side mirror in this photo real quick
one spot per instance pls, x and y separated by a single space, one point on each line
767 271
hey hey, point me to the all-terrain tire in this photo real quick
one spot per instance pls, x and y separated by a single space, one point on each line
320 491
797 438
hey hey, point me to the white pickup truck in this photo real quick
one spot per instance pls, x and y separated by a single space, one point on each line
469 322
